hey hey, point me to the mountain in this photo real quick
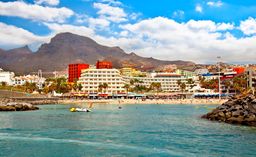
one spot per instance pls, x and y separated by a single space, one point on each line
66 48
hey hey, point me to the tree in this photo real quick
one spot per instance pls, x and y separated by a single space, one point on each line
127 87
79 87
190 82
30 87
105 86
179 82
100 88
3 84
140 88
239 84
155 86
182 87
209 84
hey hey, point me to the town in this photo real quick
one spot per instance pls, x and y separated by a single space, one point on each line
102 80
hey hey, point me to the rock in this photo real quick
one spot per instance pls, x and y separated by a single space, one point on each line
14 106
236 120
221 114
237 110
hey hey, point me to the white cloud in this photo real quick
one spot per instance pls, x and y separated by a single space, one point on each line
124 33
134 16
62 28
34 12
98 23
112 2
114 14
12 37
199 41
248 27
162 38
178 14
214 4
199 8
48 2
209 26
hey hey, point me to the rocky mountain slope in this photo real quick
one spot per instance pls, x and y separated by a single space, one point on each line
66 48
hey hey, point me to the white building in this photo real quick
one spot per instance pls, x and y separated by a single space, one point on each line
21 80
7 77
168 81
91 79
201 71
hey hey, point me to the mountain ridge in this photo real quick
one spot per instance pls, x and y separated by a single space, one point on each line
66 48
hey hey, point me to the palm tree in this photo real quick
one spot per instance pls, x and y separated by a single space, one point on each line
182 85
126 86
100 87
155 86
105 86
190 82
179 82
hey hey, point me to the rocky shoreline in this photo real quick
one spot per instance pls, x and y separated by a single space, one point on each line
13 106
9 104
237 110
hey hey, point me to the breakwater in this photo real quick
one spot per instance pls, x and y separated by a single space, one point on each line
237 110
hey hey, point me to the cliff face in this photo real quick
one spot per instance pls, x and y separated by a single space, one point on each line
68 48
235 111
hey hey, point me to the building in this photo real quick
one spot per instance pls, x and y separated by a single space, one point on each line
104 65
21 80
201 71
74 71
239 70
169 81
187 74
7 77
91 79
132 72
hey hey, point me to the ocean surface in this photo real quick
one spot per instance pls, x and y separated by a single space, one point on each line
134 130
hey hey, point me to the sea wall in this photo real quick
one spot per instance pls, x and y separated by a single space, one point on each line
237 110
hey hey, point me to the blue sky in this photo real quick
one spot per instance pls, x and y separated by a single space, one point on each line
196 30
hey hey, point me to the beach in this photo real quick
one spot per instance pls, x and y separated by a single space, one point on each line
146 101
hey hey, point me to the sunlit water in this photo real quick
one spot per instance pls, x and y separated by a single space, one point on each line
134 130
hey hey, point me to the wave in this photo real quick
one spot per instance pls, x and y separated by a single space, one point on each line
96 144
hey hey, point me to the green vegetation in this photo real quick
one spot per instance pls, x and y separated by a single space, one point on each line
127 87
237 84
182 85
59 85
102 86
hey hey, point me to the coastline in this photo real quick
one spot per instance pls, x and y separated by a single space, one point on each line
154 101
46 101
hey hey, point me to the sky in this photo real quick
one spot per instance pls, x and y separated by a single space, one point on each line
192 30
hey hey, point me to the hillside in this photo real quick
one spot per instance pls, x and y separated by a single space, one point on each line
66 48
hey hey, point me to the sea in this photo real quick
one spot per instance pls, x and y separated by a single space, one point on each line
129 130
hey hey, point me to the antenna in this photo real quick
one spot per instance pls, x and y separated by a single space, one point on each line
40 85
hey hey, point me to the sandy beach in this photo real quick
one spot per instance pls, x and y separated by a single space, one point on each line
147 101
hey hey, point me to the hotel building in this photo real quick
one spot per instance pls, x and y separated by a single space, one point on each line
91 79
74 71
169 81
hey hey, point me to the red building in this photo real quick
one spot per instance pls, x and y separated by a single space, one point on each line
74 71
239 70
103 65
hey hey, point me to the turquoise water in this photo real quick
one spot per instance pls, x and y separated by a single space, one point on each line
134 130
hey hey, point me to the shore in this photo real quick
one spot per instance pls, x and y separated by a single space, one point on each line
147 101
117 101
